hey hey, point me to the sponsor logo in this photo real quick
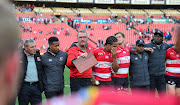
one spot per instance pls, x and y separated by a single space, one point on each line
61 59
172 53
100 53
104 65
107 57
38 59
124 52
136 58
50 60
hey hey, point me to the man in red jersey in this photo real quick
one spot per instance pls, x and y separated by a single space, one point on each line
172 74
77 49
120 78
106 58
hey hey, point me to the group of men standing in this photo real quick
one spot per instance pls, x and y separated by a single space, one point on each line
143 67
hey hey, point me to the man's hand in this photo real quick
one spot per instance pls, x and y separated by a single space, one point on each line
149 49
84 55
94 81
114 53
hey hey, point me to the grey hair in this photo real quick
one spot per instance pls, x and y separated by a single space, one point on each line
82 31
27 41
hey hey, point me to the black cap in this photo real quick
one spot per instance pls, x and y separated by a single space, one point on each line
140 42
159 33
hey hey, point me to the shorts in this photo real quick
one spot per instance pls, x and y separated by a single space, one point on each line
171 80
120 83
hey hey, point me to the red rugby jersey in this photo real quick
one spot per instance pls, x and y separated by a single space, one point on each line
102 71
123 60
172 62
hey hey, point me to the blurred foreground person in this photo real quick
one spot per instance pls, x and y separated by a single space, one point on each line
9 56
172 74
106 96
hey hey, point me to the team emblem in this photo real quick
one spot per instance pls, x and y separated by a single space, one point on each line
50 60
61 59
136 58
107 57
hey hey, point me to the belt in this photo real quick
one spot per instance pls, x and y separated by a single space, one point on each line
86 79
31 83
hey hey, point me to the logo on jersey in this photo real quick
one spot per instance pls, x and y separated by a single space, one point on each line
50 60
118 51
100 53
124 52
61 59
136 58
107 57
154 47
172 53
177 55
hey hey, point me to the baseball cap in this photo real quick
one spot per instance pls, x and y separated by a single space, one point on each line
139 42
158 32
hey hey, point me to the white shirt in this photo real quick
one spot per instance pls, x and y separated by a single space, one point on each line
31 74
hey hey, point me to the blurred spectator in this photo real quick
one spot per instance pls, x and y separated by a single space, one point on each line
99 43
79 13
53 20
125 16
119 21
62 19
54 31
30 29
69 21
67 32
78 25
87 27
58 31
39 11
172 30
25 30
27 27
40 31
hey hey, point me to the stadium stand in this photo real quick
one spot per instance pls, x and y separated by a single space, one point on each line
100 11
136 11
171 12
92 17
62 10
44 10
119 11
82 10
153 11
41 39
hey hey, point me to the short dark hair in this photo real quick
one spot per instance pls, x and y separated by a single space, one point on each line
110 40
52 39
122 34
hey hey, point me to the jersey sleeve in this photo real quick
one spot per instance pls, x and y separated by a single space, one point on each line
167 54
